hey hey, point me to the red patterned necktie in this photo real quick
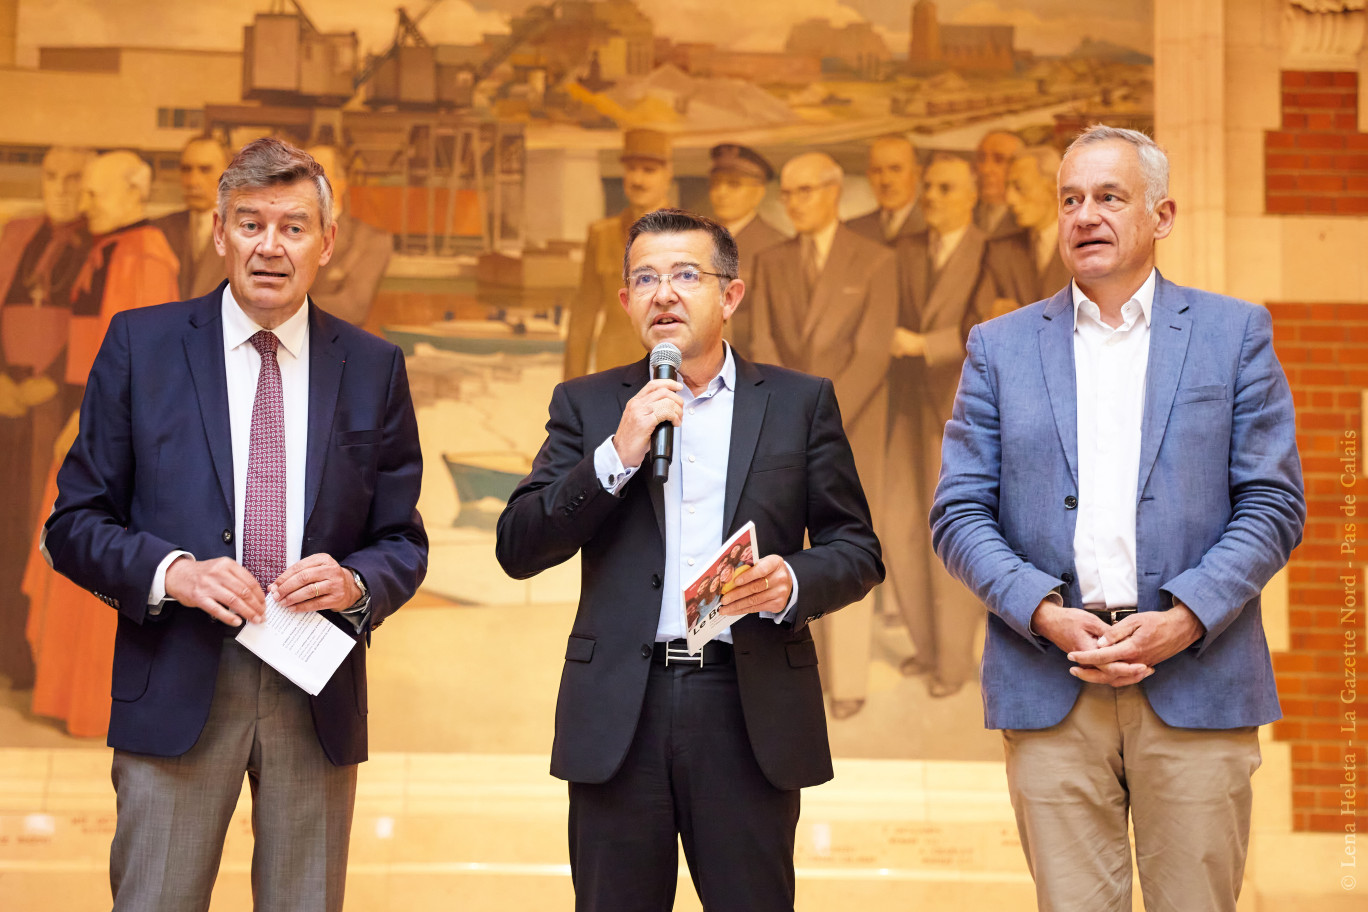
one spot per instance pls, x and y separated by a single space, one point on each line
263 522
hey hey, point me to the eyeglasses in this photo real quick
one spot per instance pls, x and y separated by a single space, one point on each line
686 280
802 192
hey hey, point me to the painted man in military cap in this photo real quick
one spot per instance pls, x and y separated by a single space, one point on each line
736 188
647 173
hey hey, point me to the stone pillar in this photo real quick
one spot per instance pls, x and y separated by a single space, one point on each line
1189 122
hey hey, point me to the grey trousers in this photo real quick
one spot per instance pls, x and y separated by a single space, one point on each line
173 812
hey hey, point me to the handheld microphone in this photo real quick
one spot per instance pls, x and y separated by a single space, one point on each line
665 361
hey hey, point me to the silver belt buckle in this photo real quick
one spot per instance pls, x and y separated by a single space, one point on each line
677 656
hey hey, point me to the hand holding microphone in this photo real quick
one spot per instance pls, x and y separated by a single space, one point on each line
649 416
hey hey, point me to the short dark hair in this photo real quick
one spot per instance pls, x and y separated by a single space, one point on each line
270 162
725 260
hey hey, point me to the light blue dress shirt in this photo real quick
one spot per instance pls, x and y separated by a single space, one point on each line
695 495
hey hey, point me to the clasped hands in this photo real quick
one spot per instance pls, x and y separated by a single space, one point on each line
1122 653
225 590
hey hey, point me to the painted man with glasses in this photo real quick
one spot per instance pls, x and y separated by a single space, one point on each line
660 746
826 303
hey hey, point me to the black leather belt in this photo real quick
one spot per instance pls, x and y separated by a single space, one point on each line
1110 615
676 652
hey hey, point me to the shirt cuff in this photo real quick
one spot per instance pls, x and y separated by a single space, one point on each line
1051 596
787 613
612 474
157 597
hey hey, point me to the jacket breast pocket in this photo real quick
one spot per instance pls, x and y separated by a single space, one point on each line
775 461
1208 393
579 648
358 438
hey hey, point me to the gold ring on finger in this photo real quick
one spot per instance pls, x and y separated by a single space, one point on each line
767 584
315 590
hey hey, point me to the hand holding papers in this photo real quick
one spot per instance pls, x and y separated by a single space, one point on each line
703 615
304 646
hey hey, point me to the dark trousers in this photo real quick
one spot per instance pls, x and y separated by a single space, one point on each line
690 772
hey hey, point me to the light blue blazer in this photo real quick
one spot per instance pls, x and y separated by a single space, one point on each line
1219 501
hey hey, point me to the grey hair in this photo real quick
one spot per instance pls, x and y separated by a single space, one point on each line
271 162
1154 166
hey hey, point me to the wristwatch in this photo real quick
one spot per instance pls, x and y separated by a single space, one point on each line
364 601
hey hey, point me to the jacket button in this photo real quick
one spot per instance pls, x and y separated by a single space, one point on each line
655 580
645 650
227 536
1070 502
1066 576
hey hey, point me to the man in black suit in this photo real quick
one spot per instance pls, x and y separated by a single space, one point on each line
240 442
657 744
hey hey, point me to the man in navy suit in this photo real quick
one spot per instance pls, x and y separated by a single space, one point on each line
236 444
660 746
1119 480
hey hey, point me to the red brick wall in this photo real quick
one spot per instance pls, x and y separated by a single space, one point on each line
1318 162
1324 350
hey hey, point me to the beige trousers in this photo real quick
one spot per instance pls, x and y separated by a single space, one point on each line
173 812
1187 792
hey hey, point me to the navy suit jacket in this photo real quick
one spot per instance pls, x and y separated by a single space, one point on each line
151 472
1219 501
789 468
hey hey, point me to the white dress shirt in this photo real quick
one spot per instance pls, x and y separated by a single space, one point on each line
695 495
242 365
1110 368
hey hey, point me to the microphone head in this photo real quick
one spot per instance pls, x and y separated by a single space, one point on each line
666 353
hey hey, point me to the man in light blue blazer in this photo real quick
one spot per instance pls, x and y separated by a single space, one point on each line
1119 480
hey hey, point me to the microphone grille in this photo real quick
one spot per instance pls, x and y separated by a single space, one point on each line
666 353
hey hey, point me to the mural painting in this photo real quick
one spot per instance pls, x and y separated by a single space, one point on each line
887 168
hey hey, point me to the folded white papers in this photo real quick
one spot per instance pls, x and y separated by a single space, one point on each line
302 645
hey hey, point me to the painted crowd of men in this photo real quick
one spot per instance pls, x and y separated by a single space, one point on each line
882 304
63 276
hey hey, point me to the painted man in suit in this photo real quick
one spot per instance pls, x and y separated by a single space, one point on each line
825 303
659 745
39 259
347 284
939 272
895 177
736 187
237 444
599 335
1026 267
1120 481
190 231
992 157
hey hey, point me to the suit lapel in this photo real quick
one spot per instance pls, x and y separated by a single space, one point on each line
1057 361
836 271
204 351
326 360
748 414
948 296
1170 330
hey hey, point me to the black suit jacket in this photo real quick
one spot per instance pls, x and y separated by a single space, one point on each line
789 469
151 472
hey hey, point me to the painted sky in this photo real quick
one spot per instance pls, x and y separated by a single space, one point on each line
1043 26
